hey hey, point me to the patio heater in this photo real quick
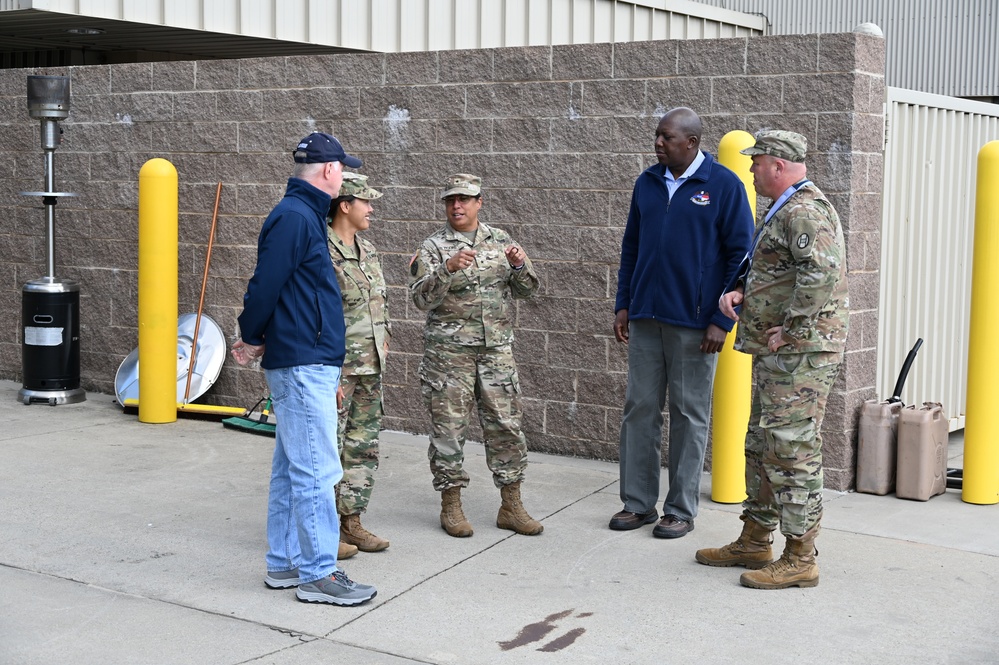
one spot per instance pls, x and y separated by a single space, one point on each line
50 307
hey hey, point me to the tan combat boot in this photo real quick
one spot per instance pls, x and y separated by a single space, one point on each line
345 551
452 518
512 515
352 532
751 549
796 567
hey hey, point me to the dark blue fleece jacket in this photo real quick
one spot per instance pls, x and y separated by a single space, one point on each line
677 256
292 303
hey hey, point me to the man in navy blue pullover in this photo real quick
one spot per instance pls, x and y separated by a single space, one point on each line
688 230
292 305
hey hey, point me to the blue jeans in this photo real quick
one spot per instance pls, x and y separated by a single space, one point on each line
303 529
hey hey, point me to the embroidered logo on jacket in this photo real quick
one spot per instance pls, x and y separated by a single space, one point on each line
701 198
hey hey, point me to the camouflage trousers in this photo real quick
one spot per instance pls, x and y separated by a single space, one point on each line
455 378
360 418
783 443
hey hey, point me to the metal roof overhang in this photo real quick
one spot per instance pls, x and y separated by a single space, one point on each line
24 32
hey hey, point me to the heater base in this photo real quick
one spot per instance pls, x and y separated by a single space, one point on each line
52 397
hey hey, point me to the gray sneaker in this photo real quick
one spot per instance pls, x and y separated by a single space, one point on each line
284 579
337 589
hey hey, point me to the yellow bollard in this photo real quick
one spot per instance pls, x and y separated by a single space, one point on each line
158 223
981 434
733 377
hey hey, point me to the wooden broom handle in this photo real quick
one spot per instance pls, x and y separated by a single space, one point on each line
204 284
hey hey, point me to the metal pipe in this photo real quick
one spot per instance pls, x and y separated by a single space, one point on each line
50 203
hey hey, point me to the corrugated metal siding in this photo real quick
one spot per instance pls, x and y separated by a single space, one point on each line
926 243
428 25
948 47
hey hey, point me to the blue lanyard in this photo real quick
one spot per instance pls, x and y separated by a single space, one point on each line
778 204
781 200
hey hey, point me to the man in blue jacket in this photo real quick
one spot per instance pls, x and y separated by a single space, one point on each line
292 304
689 228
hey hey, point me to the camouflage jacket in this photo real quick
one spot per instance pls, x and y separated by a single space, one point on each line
472 307
365 304
797 279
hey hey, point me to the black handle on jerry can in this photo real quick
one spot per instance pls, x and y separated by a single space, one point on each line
896 394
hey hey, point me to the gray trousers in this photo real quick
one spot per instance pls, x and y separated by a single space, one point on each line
662 356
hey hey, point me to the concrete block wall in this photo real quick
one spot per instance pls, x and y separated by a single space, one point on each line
558 134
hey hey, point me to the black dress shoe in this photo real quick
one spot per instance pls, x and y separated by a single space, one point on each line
626 521
671 526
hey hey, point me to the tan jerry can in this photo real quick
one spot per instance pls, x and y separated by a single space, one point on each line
922 452
876 446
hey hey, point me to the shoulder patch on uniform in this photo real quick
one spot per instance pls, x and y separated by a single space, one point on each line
701 198
413 267
803 241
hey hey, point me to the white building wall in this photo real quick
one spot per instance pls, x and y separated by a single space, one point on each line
927 241
947 47
425 25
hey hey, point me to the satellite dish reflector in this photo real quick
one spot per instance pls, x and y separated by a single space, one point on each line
207 363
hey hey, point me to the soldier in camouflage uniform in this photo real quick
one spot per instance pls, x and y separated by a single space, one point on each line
365 311
793 293
465 276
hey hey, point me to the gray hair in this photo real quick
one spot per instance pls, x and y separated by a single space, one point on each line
307 171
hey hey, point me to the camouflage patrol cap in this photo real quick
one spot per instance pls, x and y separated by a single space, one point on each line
462 184
356 185
777 143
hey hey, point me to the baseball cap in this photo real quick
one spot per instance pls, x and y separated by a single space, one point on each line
319 148
778 143
462 183
356 185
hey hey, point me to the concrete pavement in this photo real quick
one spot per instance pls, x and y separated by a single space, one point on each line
131 543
